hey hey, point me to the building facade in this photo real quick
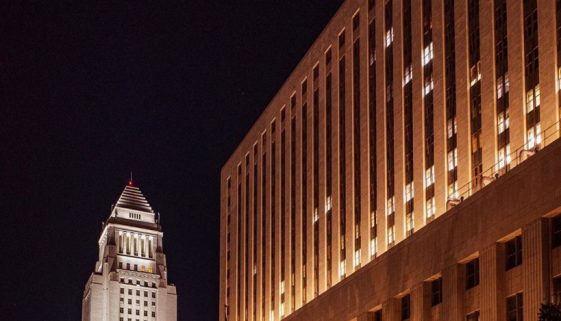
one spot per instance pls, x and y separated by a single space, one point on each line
130 280
408 169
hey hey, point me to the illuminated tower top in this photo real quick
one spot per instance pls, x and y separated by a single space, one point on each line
130 280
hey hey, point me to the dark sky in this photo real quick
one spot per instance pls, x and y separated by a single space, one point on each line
89 92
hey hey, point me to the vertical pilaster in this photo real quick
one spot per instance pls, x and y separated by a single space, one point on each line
491 271
439 108
547 43
391 310
462 93
488 113
420 302
517 92
535 267
453 289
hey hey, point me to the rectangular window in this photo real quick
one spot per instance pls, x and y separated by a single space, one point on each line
405 307
513 252
556 231
472 273
474 316
514 307
428 54
436 290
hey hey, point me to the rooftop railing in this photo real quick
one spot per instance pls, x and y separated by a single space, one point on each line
502 167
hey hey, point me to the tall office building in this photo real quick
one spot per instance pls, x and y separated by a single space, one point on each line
130 280
408 169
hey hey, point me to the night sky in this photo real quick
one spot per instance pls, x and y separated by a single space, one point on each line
90 92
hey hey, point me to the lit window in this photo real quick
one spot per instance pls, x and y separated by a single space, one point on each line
452 159
409 192
429 176
452 127
409 222
357 258
373 247
342 268
559 78
453 190
149 269
372 218
389 37
499 87
391 234
429 85
475 73
503 122
281 309
504 157
533 98
328 204
428 54
316 215
391 205
431 207
408 76
534 136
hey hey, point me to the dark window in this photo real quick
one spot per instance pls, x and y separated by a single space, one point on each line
472 273
514 309
405 307
436 289
556 231
474 316
556 294
378 315
513 252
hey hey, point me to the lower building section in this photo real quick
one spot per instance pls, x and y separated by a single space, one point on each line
495 256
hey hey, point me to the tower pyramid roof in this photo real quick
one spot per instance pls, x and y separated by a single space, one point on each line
132 198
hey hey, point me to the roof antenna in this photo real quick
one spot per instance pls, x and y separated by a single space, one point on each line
130 181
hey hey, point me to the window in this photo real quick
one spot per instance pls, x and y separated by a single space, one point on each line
405 307
475 73
122 291
452 127
452 159
503 122
357 258
514 305
409 223
389 37
391 205
429 176
391 235
472 274
428 54
436 290
429 85
503 85
373 247
474 316
431 207
556 294
408 75
409 192
556 231
342 272
513 249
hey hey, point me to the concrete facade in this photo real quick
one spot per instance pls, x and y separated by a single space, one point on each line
324 217
130 280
